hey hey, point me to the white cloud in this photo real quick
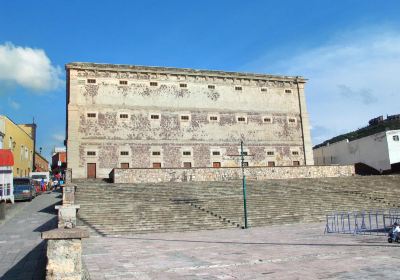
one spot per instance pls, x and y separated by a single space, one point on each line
351 80
58 136
29 68
13 104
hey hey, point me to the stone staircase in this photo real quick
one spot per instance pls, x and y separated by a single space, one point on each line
110 209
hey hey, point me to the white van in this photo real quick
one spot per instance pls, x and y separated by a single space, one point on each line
38 176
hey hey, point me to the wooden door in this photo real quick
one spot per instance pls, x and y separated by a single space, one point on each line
124 164
156 164
91 170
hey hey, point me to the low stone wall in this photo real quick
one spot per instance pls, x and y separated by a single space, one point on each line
141 175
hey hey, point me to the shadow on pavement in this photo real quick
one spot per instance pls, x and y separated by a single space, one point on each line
51 208
50 224
32 266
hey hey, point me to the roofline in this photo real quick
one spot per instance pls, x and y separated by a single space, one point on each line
36 153
18 125
179 71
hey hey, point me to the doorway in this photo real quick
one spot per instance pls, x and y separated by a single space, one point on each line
91 171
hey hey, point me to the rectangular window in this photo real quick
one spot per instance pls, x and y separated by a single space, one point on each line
124 153
91 81
216 164
216 153
245 153
241 119
295 153
155 117
187 153
156 153
288 91
245 164
238 88
267 120
395 137
271 163
123 116
292 120
187 165
263 89
296 163
156 164
211 86
124 83
270 153
153 84
90 153
213 118
184 118
183 85
91 115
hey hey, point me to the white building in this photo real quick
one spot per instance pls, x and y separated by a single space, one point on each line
380 151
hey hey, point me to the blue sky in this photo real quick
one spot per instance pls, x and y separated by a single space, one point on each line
349 50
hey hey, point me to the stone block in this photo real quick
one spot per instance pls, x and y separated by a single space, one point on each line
67 215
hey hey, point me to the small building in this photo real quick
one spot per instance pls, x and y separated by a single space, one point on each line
373 149
20 140
41 164
6 176
59 161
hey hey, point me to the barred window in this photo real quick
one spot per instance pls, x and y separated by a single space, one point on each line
91 115
238 88
187 153
263 89
185 118
123 116
155 117
270 153
91 153
156 153
123 83
288 91
183 85
211 86
124 153
153 84
216 153
91 81
241 119
295 153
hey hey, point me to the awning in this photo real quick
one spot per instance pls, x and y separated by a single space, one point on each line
6 158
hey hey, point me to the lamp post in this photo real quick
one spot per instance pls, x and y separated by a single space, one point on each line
243 185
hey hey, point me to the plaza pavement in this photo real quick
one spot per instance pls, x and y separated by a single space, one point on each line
22 251
275 252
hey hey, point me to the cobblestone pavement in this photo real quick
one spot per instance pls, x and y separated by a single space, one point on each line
22 254
275 252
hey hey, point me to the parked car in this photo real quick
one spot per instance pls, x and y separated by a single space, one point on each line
24 189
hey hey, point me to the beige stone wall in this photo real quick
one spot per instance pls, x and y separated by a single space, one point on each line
224 174
148 91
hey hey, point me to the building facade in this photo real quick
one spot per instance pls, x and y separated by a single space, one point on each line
41 164
59 162
21 144
374 146
121 116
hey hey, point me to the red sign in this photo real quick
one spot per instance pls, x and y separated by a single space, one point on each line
6 158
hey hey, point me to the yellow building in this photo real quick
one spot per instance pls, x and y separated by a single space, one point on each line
16 138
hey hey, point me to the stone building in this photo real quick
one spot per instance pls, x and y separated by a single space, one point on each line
121 116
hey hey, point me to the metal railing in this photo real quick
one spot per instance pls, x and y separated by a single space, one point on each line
377 222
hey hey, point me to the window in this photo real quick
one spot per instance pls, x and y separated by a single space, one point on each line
395 137
245 164
292 120
183 85
184 118
241 119
288 91
296 163
216 153
91 115
91 153
124 164
156 164
91 81
123 116
187 165
270 153
124 153
213 118
245 153
124 83
153 84
295 153
211 87
238 88
263 89
187 153
156 153
267 120
271 163
154 117
216 164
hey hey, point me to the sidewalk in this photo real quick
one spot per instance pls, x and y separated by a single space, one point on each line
22 249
